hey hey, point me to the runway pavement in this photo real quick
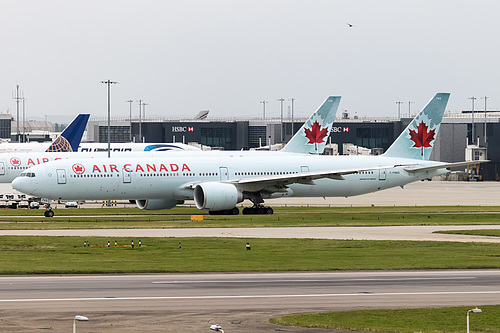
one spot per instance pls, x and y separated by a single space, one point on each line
239 302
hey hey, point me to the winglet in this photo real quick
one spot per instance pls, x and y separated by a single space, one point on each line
312 136
418 139
70 138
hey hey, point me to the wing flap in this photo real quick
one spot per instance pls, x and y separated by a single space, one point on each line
443 166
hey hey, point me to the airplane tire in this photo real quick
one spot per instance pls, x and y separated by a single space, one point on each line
235 211
48 213
269 211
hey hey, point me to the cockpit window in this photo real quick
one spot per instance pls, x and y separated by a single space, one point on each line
28 174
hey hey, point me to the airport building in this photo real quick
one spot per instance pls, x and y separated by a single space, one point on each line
454 143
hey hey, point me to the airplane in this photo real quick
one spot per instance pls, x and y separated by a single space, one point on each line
68 140
13 164
134 146
218 180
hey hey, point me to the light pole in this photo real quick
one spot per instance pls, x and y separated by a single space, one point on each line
24 118
409 109
485 98
399 109
79 318
476 310
292 100
281 100
17 98
109 83
264 109
140 120
473 127
130 117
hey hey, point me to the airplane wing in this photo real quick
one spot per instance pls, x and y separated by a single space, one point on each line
275 182
444 166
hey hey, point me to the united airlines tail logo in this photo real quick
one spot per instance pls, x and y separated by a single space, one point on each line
60 144
316 134
422 137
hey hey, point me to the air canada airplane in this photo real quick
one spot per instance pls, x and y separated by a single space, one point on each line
12 164
219 180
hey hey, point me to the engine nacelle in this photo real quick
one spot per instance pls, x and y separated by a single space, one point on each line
216 196
156 204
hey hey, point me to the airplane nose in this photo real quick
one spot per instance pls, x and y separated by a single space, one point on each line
17 184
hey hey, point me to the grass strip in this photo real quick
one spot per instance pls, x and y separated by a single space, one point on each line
479 232
180 217
436 320
55 255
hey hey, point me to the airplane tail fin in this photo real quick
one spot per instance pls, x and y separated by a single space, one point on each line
311 137
418 139
70 138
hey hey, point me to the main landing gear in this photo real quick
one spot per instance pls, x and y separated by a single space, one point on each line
258 209
48 211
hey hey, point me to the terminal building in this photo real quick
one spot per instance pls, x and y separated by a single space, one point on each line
462 136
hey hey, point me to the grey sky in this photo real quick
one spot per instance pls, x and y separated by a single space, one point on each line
226 56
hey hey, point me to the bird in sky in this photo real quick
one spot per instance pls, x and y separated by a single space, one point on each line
350 25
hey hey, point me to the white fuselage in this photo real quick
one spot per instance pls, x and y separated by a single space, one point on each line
12 164
172 175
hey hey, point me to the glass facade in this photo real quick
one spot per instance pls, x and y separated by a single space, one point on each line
5 128
373 137
217 137
257 135
119 134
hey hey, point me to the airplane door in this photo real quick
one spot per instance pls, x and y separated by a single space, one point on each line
127 177
223 173
382 174
61 176
2 168
304 168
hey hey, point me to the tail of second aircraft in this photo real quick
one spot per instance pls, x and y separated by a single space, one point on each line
70 138
418 139
311 137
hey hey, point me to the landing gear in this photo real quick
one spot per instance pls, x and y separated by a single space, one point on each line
48 211
258 209
234 211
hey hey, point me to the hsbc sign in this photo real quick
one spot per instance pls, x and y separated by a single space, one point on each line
182 129
340 129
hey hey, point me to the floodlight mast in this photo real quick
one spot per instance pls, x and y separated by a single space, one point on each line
109 83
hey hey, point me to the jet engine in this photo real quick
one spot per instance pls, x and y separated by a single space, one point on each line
216 196
157 204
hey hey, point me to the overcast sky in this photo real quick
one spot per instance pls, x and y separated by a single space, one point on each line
182 57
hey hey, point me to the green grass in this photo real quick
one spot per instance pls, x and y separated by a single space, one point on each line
284 217
436 320
480 232
54 255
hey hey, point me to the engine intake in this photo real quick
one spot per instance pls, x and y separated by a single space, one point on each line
157 204
216 196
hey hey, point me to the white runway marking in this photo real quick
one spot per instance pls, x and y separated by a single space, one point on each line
314 280
243 296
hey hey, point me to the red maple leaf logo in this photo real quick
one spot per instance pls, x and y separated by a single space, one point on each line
422 137
316 134
78 168
15 161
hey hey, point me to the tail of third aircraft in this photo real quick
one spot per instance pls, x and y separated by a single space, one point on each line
418 139
311 137
70 138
